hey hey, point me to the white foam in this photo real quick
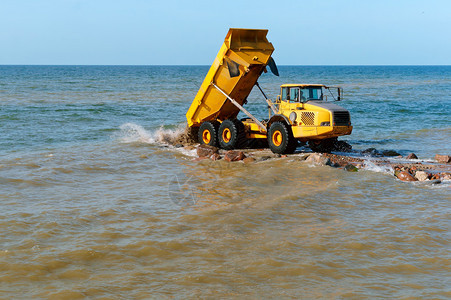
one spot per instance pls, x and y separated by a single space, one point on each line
370 166
134 133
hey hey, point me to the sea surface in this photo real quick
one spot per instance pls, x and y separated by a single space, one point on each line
94 204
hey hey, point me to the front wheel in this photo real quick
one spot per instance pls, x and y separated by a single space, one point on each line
280 139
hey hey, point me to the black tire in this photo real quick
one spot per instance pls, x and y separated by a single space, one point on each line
208 134
280 139
322 146
232 135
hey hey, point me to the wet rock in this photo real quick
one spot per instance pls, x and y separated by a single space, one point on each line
215 156
342 146
435 177
421 175
444 159
404 176
206 150
249 160
351 168
302 157
433 182
411 156
178 146
317 158
234 155
371 152
266 157
390 153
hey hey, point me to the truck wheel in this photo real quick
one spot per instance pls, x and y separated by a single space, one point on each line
231 134
323 146
280 139
208 134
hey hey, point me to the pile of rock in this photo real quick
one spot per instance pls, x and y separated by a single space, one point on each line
213 153
411 171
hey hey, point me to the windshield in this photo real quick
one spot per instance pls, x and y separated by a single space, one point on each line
298 94
311 93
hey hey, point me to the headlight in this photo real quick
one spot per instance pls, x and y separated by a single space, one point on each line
293 116
325 124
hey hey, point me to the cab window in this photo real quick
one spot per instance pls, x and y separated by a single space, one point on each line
284 93
294 94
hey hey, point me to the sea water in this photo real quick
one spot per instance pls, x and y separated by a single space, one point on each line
95 203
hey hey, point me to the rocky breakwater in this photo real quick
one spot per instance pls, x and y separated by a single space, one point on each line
408 168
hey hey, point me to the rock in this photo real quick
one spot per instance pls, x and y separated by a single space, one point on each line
435 177
190 148
421 175
404 176
178 146
443 159
248 160
411 156
351 168
342 146
371 152
390 153
206 150
266 157
314 158
317 158
283 156
215 156
302 156
234 155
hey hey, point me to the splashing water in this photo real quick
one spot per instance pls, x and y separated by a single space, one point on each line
134 133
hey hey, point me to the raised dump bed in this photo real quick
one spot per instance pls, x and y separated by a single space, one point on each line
235 70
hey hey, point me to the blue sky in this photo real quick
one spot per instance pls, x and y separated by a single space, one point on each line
140 32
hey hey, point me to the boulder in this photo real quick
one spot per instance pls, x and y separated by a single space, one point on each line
248 160
404 176
351 168
317 158
444 159
206 150
215 156
342 146
371 152
421 175
411 156
234 155
390 153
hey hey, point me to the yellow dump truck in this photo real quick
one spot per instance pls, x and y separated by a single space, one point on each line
300 112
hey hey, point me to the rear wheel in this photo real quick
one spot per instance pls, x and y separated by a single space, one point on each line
232 134
207 134
280 139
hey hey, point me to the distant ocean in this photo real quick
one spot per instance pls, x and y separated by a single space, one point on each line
88 209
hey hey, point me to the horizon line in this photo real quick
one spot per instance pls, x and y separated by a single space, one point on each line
200 65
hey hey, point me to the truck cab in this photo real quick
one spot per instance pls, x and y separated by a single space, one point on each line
309 111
